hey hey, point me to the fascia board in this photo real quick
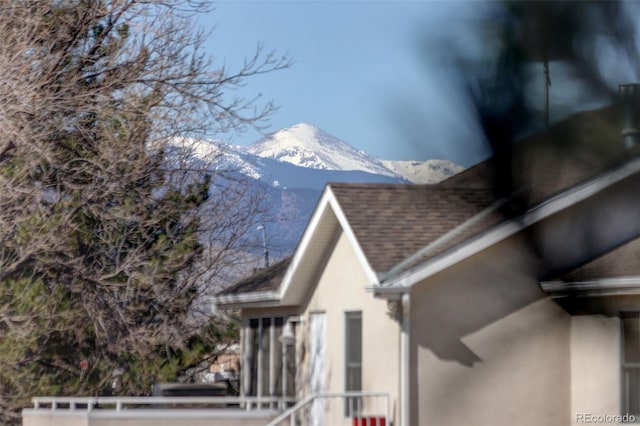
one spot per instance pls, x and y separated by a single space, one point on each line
305 241
266 298
275 297
598 287
346 228
328 200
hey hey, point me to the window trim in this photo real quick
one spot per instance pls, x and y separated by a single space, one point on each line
348 366
624 366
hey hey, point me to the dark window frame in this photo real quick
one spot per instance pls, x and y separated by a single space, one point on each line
267 362
630 363
352 360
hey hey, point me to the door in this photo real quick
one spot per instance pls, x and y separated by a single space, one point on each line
317 348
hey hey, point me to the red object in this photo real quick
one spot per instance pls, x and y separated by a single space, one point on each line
369 421
84 364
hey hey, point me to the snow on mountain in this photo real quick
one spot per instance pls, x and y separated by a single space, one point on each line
292 166
231 159
304 156
216 155
430 171
307 146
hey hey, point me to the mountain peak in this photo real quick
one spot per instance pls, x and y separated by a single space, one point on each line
308 146
303 127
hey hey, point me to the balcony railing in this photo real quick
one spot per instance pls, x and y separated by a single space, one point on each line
347 408
154 411
117 403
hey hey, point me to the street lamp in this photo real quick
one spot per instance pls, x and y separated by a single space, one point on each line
287 337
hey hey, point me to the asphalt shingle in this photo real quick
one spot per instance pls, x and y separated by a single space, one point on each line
267 279
392 222
623 261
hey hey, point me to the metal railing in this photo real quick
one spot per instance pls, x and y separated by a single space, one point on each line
338 408
117 403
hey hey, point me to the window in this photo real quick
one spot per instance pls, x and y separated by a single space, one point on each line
353 360
269 364
630 363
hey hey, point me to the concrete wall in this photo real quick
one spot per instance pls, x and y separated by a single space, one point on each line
45 418
341 288
488 347
142 417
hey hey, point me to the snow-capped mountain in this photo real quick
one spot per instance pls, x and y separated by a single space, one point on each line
430 171
235 160
290 168
307 146
304 145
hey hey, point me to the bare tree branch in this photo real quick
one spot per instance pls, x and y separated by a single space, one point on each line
110 231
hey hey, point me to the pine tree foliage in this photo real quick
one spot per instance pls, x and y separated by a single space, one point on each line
101 248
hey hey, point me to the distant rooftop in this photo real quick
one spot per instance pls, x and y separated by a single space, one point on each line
267 279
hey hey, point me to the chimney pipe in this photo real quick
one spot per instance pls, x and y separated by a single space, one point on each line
630 99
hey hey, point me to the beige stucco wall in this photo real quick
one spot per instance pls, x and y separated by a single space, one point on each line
595 366
341 288
149 418
47 419
488 347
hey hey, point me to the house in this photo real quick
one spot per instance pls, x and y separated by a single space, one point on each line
460 308
225 366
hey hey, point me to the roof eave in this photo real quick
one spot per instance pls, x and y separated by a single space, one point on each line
328 200
388 293
247 300
618 286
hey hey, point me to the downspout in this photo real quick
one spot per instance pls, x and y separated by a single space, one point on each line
405 361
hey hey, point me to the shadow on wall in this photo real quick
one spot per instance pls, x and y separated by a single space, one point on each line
477 293
505 278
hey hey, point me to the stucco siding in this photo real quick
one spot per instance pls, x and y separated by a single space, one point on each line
340 289
595 366
488 347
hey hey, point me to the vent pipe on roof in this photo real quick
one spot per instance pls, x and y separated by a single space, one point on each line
630 99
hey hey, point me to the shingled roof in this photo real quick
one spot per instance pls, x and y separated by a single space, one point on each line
267 279
391 222
623 261
549 162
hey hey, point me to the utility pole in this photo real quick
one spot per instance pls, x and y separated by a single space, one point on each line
264 246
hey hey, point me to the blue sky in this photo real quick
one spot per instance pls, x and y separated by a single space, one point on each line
372 73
